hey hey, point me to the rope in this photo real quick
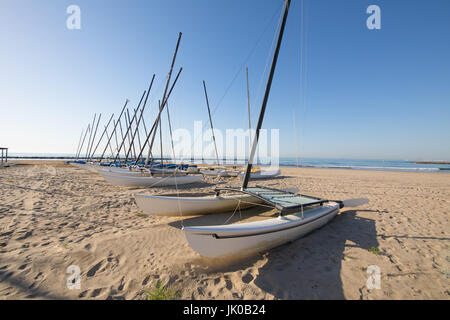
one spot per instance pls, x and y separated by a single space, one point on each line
249 56
302 88
238 206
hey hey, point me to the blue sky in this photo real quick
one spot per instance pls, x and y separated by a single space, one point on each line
356 93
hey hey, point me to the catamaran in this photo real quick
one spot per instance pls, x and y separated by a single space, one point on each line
262 174
298 214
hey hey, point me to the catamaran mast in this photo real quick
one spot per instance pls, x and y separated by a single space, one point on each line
115 134
138 136
90 136
109 144
140 118
121 134
210 122
164 98
154 124
101 137
84 139
93 138
82 143
130 122
160 136
170 130
266 97
128 130
114 130
79 142
248 107
145 129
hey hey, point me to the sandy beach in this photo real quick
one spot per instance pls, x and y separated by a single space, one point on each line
54 215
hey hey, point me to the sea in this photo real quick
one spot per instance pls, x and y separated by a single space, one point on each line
321 163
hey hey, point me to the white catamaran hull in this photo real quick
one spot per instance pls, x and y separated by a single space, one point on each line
187 206
253 237
263 174
7 164
133 181
212 172
113 170
229 173
134 171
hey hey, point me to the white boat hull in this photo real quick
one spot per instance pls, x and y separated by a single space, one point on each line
211 172
7 164
229 173
135 181
136 171
250 238
114 170
188 206
263 174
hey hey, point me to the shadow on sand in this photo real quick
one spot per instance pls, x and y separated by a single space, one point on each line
32 292
308 268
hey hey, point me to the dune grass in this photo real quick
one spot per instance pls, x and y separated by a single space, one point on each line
141 214
160 292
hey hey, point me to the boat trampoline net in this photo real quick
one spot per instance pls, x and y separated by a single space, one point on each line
283 201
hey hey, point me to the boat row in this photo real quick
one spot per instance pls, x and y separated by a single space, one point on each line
135 176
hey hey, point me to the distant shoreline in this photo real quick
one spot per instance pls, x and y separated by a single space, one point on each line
432 162
403 166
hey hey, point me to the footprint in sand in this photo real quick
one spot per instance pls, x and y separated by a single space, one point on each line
92 271
96 292
23 266
247 278
26 235
6 233
39 275
83 294
147 278
122 284
228 284
5 275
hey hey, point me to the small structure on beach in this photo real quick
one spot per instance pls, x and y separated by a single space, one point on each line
4 158
4 154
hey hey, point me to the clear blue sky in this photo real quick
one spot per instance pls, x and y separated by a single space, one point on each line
374 94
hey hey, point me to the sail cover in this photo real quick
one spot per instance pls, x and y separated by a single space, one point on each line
283 201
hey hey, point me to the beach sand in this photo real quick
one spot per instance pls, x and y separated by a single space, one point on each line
54 215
